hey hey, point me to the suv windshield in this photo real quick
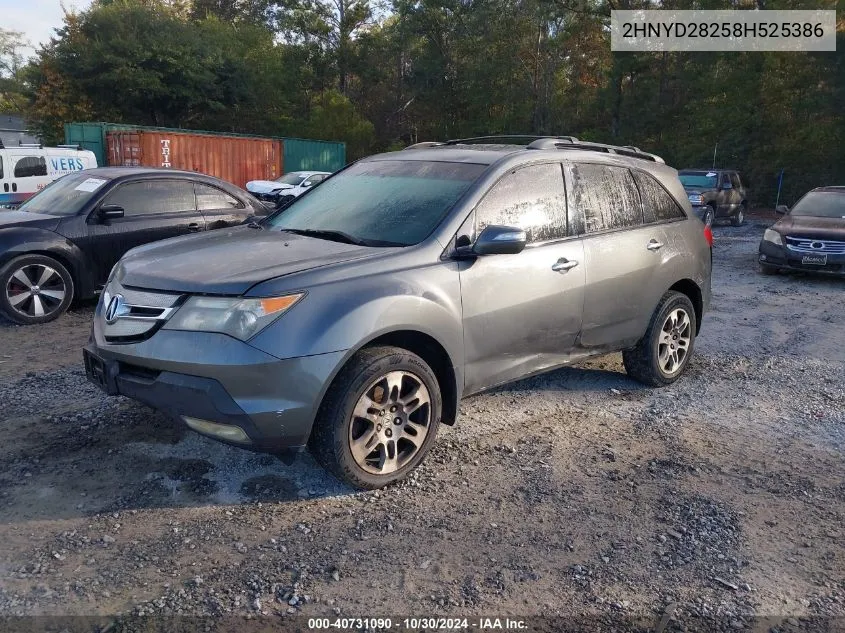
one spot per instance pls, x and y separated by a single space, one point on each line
65 196
822 204
700 179
291 179
380 203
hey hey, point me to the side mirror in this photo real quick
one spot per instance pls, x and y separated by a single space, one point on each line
307 183
110 212
782 209
500 240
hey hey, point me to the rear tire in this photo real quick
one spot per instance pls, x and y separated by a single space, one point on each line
663 353
34 289
379 418
739 218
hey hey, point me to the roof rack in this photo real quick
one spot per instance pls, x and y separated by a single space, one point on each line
570 142
70 146
547 142
31 145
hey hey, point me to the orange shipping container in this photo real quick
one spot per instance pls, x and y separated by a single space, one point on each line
237 159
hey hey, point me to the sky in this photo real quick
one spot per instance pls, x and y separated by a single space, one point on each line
36 19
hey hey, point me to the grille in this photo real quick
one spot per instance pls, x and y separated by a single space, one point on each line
803 245
142 312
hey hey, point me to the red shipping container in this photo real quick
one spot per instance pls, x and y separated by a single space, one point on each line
237 159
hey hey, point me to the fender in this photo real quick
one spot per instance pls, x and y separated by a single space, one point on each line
20 240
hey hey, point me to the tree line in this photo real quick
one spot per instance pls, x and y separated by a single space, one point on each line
380 74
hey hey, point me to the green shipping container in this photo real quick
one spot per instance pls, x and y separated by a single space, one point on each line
299 154
92 136
310 155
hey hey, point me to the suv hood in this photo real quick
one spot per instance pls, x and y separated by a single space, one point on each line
812 227
13 219
230 262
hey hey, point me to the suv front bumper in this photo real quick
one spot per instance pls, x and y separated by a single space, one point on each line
216 379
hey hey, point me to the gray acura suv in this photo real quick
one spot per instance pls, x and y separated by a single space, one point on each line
354 320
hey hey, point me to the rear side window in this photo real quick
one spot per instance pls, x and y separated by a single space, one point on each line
29 166
532 198
1 166
658 205
735 180
210 198
604 197
154 196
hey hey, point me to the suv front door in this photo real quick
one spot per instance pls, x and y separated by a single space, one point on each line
622 256
522 313
153 209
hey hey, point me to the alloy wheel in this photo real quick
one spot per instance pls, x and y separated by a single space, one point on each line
35 290
674 341
390 423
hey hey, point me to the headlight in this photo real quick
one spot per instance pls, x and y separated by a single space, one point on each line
240 318
696 198
773 236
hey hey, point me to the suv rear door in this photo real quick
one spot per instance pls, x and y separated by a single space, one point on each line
622 255
522 313
154 209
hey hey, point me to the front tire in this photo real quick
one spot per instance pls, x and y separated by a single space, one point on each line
379 418
709 215
662 355
34 289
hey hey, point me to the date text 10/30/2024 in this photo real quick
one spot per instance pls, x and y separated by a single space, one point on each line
413 624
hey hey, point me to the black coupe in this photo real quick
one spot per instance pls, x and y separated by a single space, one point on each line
61 244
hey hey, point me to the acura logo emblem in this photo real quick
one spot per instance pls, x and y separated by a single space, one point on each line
117 308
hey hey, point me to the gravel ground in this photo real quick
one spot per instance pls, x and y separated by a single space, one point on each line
578 494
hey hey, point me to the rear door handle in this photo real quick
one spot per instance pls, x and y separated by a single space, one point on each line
564 265
654 245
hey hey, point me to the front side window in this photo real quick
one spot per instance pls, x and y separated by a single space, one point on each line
532 198
1 166
210 198
381 202
30 166
735 180
605 197
658 205
146 197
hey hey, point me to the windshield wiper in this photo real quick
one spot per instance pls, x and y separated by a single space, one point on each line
334 236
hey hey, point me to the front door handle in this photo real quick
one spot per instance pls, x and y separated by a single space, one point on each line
564 265
654 245
193 227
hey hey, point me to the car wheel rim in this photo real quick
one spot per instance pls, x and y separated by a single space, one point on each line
674 342
708 218
390 423
740 217
35 290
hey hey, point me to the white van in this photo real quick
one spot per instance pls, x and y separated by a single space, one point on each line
27 169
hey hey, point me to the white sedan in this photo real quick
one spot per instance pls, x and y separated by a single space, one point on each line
293 184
